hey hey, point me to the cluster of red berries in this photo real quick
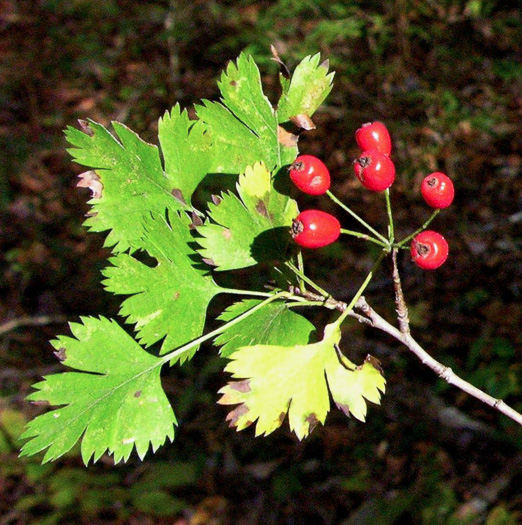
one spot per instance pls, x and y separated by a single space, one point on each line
376 171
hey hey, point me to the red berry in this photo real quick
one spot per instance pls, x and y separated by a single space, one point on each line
375 170
374 135
310 175
315 229
429 250
437 190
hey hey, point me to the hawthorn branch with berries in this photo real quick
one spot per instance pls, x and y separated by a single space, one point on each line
143 198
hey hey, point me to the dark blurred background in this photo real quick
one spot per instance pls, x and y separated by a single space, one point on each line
445 76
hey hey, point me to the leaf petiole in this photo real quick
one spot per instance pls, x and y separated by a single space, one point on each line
195 342
308 281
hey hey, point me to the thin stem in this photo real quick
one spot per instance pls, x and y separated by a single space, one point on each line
444 372
400 303
363 236
307 280
361 289
246 292
356 217
422 228
300 265
195 342
391 232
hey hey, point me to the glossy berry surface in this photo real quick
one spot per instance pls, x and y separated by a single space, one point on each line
375 170
429 250
310 175
438 190
315 229
374 135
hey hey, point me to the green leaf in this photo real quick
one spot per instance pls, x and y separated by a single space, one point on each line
291 379
243 127
170 299
249 229
310 85
132 182
273 324
115 400
186 150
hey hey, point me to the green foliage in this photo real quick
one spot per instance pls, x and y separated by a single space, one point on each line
175 288
274 324
237 236
112 400
115 402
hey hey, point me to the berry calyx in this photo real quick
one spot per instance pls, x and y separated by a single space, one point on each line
315 229
438 190
429 250
375 170
310 175
374 135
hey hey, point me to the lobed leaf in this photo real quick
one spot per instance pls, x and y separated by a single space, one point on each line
172 290
186 149
276 380
115 399
250 228
273 324
243 127
132 182
309 86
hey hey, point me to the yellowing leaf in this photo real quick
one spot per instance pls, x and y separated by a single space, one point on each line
276 380
255 181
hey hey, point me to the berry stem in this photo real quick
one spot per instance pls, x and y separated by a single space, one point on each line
356 217
361 289
422 228
253 293
364 236
391 230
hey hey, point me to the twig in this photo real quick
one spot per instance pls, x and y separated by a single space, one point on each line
40 320
442 371
400 303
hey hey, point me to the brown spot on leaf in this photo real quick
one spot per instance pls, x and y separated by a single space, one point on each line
345 408
137 393
287 139
178 195
281 417
303 121
261 209
175 296
90 180
235 414
197 221
60 354
41 403
85 127
233 83
374 362
216 200
241 386
226 234
325 64
312 421
210 262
